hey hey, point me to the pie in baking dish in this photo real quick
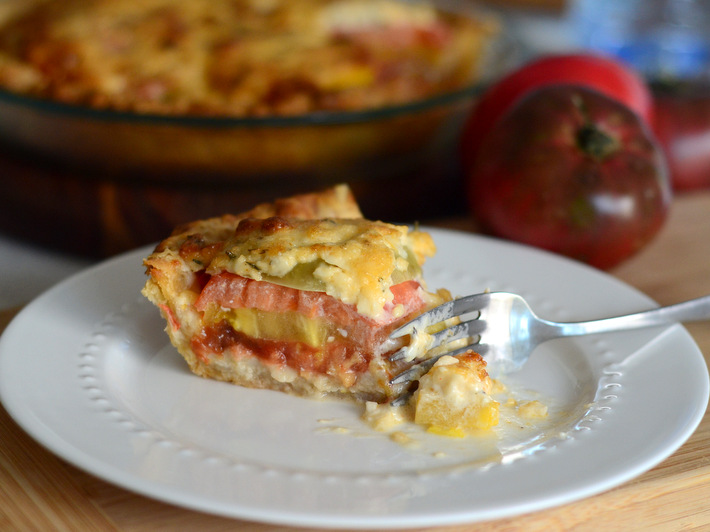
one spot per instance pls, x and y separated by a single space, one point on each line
298 296
238 57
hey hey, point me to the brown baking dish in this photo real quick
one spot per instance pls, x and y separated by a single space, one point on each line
99 181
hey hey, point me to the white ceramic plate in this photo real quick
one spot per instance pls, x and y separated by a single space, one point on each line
87 370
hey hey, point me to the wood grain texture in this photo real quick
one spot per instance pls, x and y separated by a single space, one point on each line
41 492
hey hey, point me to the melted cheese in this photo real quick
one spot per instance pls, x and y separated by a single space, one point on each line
355 261
532 410
383 417
454 398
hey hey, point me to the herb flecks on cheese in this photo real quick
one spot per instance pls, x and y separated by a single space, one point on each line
355 261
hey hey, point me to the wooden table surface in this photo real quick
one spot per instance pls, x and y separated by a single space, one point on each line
39 491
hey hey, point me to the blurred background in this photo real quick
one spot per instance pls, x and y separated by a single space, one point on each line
662 39
67 214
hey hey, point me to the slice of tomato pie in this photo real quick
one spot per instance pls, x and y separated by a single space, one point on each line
298 296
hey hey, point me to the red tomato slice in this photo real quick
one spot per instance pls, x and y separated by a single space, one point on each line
233 291
603 74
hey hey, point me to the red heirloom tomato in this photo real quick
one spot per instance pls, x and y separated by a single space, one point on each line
603 74
682 125
569 170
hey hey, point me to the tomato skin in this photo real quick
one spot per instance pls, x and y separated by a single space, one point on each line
682 125
538 182
601 73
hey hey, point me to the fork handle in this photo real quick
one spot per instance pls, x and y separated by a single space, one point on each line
692 310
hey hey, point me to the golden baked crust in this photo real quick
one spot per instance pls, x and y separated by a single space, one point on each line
355 261
239 57
335 202
299 295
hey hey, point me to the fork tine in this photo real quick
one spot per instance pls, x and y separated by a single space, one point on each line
456 307
422 367
410 374
455 332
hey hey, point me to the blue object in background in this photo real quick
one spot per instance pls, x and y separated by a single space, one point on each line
663 39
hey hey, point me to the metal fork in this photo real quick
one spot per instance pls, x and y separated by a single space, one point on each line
502 327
